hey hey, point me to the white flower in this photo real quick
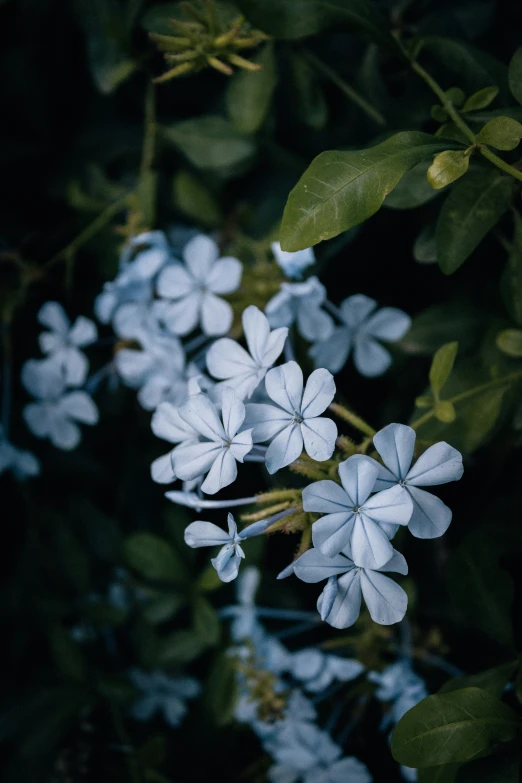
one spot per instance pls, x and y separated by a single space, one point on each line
294 419
22 464
193 288
63 341
222 443
293 264
300 303
55 414
340 602
241 370
167 424
317 670
439 464
161 693
244 624
361 332
353 517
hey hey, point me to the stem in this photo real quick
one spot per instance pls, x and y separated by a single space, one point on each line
289 353
149 140
506 380
499 163
346 88
352 419
91 230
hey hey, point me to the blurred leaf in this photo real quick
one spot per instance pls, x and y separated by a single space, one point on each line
515 75
116 688
307 93
211 142
66 653
341 189
424 248
209 580
445 411
206 621
107 43
492 680
479 415
153 557
447 167
412 190
179 648
102 533
195 201
474 68
443 773
105 614
221 690
450 131
470 211
72 558
160 608
510 342
155 20
442 366
512 277
503 133
452 727
249 93
495 769
480 99
153 752
440 324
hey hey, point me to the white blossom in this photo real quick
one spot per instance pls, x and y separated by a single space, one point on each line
63 341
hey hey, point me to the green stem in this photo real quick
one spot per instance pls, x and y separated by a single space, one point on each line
346 88
149 140
462 125
352 418
505 380
91 230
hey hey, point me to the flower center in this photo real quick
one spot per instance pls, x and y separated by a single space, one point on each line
297 418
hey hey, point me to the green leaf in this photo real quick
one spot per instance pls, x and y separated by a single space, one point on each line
450 131
445 411
479 416
412 190
515 75
107 45
155 20
474 67
470 211
452 727
211 142
443 773
249 93
179 648
307 92
503 768
293 19
442 366
160 608
503 133
339 190
480 99
440 324
66 653
492 680
206 621
153 557
447 167
424 248
511 284
195 201
220 695
510 342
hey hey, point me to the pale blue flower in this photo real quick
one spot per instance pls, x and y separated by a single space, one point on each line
316 670
167 424
193 288
199 534
293 264
222 443
439 464
340 607
300 303
244 623
401 686
63 341
244 370
353 518
22 464
362 331
57 412
164 694
294 420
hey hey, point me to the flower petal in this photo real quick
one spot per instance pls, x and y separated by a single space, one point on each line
313 323
43 378
232 412
369 544
75 366
216 315
386 601
201 414
333 532
280 310
222 473
194 459
182 317
241 445
175 282
395 444
347 605
431 517
167 424
78 405
319 436
227 564
225 276
391 505
284 449
200 253
266 420
356 309
318 394
397 564
274 346
226 359
329 595
326 497
199 534
36 416
370 358
333 353
358 475
257 331
284 385
83 332
388 324
52 315
312 566
161 470
133 366
438 465
63 433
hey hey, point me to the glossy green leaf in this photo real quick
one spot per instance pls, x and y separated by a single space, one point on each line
515 75
412 190
450 131
510 342
195 201
153 557
503 133
339 190
480 99
491 680
471 210
249 93
443 773
447 167
452 727
442 366
211 142
501 768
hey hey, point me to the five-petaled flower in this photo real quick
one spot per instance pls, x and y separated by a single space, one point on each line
244 370
294 419
63 341
361 331
221 445
300 303
192 288
161 693
353 517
